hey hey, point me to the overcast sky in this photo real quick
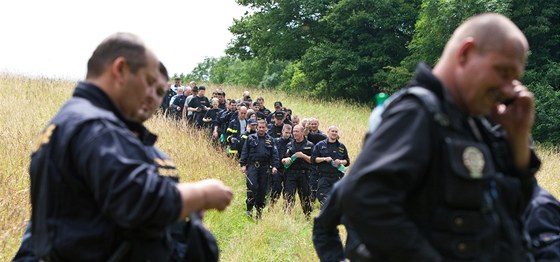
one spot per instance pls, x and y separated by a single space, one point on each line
55 38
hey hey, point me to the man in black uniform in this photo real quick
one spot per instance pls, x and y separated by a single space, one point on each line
298 157
433 181
88 167
278 179
315 136
329 154
275 129
199 104
259 156
542 219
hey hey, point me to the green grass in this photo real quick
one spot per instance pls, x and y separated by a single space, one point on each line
27 104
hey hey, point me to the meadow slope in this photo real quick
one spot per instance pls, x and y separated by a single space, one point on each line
27 104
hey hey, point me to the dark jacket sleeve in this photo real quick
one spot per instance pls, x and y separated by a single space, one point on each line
346 157
543 225
326 237
244 157
123 181
275 155
393 161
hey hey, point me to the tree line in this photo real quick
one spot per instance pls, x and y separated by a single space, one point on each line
353 49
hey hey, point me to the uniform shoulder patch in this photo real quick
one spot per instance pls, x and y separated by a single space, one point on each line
43 138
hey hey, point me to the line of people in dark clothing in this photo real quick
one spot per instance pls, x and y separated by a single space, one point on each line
279 153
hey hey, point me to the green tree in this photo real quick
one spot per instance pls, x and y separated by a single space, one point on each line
277 30
365 37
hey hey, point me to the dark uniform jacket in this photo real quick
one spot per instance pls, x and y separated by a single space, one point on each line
542 219
305 147
259 149
337 151
94 186
423 192
233 135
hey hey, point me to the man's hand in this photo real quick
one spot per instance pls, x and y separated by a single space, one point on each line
243 169
202 195
517 119
274 170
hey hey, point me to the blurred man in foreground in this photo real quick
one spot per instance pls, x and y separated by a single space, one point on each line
435 181
97 193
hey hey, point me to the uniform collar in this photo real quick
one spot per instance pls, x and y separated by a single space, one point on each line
100 99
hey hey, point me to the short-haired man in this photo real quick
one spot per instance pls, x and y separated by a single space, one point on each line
296 177
329 154
89 167
436 180
259 158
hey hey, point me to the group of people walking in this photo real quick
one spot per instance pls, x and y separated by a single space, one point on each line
278 154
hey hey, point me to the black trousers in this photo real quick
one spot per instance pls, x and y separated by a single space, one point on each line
325 185
257 185
297 180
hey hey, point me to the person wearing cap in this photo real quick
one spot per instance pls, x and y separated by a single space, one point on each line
277 184
275 129
259 158
277 108
250 129
257 108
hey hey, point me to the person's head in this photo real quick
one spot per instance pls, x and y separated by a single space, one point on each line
332 133
194 90
286 131
305 122
252 124
232 104
313 124
201 91
260 100
192 84
242 112
246 94
482 62
261 127
298 133
180 90
152 102
256 106
126 70
277 106
295 120
177 81
279 117
188 91
215 102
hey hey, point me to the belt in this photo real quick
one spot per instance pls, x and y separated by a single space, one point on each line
257 164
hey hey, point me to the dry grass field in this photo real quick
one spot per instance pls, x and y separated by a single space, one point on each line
27 104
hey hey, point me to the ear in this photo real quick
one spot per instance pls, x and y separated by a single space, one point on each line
465 50
119 68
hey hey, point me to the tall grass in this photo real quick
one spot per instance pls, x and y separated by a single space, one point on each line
27 104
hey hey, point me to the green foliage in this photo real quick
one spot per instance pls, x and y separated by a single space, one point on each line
547 123
201 73
540 22
366 36
277 30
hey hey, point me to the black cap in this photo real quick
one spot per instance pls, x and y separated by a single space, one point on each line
251 121
279 115
256 104
277 103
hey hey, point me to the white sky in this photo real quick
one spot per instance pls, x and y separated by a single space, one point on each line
55 38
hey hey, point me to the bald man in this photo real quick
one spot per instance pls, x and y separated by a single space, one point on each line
448 172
